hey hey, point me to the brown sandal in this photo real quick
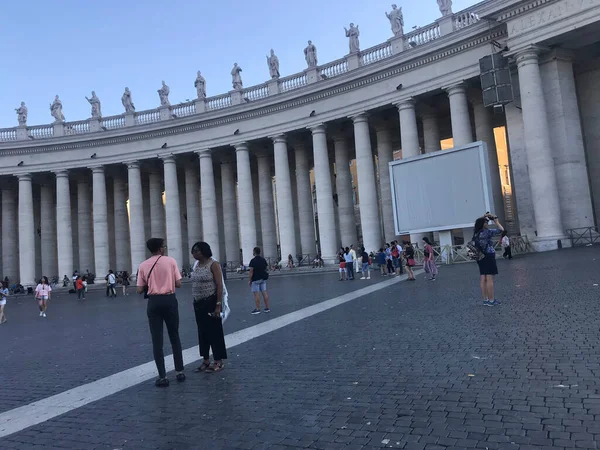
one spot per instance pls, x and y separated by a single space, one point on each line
216 367
203 368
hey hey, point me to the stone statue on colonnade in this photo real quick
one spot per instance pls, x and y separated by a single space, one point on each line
96 106
273 63
127 101
310 54
56 110
236 78
22 115
396 19
200 85
445 7
352 33
163 94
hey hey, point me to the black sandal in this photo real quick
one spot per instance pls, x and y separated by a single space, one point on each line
161 382
180 377
216 367
203 367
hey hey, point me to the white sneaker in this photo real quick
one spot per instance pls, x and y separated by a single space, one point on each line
43 314
363 278
368 278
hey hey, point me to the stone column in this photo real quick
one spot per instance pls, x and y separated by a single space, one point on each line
110 221
121 219
431 132
85 227
484 131
230 215
74 224
367 187
246 202
343 182
64 230
566 137
385 154
10 253
325 205
100 213
48 231
544 189
136 216
285 201
157 207
267 207
173 210
305 208
462 133
210 223
192 206
26 232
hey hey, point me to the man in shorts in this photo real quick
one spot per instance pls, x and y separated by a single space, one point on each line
257 280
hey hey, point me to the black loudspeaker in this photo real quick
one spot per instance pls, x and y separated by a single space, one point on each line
495 80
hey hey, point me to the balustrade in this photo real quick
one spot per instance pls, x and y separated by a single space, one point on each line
41 131
377 53
423 35
292 82
464 19
335 68
256 92
218 102
79 127
150 116
8 134
110 123
184 109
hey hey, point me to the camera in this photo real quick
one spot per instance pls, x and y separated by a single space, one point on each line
490 216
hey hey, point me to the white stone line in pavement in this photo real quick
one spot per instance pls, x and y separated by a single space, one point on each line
43 410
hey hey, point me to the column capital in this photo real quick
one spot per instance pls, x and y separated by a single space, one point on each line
454 89
360 118
204 153
241 147
409 103
319 128
168 159
24 177
97 169
279 139
529 55
61 173
263 154
132 164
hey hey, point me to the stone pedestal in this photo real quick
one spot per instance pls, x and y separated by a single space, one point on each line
237 97
397 43
165 113
353 60
94 125
446 25
59 129
312 75
22 133
129 119
200 105
273 86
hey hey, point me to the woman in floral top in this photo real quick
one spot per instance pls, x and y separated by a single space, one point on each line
483 237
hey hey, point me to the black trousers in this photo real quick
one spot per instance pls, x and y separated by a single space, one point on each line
210 329
507 252
164 308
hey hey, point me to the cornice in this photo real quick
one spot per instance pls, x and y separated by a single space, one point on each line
513 12
397 68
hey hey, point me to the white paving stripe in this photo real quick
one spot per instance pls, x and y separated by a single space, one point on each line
43 410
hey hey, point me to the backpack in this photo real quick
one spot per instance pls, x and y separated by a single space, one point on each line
474 252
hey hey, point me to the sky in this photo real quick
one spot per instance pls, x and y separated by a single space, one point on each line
71 47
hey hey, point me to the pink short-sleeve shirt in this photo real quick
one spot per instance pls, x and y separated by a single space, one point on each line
163 277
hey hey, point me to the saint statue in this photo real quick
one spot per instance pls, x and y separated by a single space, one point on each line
310 54
236 78
22 114
163 93
352 33
445 7
200 85
56 110
396 19
127 102
95 102
273 63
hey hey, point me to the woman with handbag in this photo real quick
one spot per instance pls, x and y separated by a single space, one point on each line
409 255
429 259
483 237
207 289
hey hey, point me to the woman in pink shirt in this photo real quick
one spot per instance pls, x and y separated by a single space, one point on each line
42 294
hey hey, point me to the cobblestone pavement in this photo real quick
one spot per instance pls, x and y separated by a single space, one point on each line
415 365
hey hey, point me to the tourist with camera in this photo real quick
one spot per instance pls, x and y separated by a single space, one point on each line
483 238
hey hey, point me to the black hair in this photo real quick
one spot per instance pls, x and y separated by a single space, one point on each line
45 280
426 239
155 244
380 250
203 248
504 233
347 250
479 223
256 250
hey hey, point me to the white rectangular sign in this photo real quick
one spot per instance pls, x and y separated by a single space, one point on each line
443 190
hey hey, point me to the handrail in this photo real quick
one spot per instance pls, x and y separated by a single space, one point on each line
584 236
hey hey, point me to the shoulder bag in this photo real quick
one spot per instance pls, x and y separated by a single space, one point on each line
148 278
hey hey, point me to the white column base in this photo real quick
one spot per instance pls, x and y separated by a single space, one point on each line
446 239
549 243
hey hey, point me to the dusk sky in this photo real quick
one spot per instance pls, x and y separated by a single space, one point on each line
71 47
